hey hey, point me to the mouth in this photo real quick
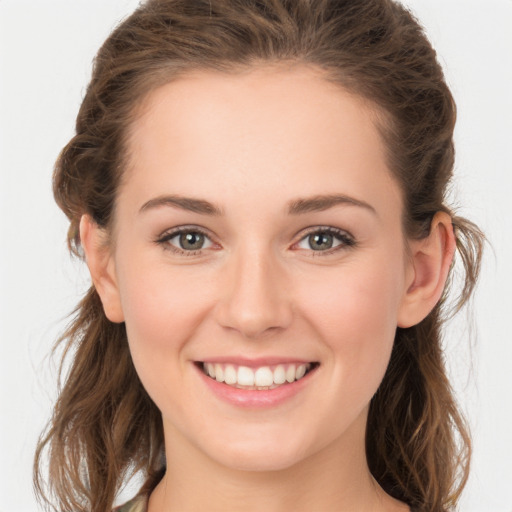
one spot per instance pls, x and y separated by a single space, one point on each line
261 378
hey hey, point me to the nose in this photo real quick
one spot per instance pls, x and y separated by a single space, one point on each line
255 297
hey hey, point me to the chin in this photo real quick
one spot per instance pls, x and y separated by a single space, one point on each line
259 463
259 457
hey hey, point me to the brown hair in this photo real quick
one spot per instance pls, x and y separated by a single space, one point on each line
104 425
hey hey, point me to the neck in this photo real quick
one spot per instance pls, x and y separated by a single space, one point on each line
335 478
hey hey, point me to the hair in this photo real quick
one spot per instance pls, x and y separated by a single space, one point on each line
105 427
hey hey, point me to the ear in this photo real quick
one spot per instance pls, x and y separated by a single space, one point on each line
101 265
431 258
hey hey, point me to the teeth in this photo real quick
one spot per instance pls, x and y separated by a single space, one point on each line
301 371
245 376
290 373
279 375
230 375
263 377
219 373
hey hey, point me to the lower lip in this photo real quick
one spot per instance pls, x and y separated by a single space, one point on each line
253 398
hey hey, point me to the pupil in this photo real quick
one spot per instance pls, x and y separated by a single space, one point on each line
191 241
320 241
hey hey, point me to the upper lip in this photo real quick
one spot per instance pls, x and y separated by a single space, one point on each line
255 362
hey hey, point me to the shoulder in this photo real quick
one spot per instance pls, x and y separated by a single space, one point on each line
138 504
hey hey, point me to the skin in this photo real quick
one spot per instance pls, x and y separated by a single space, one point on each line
252 143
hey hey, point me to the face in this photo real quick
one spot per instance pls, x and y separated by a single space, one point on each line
258 239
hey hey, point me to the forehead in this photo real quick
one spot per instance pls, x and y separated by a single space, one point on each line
254 130
280 95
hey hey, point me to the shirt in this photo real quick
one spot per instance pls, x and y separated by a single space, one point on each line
138 504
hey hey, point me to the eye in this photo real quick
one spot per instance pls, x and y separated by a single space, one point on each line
188 241
326 240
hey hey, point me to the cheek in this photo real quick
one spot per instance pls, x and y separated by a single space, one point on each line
162 308
158 299
355 312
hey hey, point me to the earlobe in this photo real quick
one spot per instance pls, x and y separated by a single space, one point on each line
431 258
101 267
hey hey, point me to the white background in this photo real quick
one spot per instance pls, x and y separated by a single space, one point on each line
46 49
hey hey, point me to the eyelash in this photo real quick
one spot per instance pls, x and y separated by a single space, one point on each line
346 240
169 235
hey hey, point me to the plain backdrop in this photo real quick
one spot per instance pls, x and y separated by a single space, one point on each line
46 49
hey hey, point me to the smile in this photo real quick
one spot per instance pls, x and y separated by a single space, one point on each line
261 378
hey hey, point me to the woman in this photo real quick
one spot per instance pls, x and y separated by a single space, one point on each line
258 189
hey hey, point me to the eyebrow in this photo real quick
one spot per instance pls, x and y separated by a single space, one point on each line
185 203
324 202
298 206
